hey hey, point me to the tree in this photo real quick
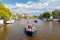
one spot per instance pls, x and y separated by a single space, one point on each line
34 16
46 15
4 12
16 16
54 13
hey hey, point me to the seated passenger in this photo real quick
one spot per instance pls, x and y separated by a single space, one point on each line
30 26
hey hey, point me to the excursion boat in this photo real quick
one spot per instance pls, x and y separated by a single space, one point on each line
10 21
30 30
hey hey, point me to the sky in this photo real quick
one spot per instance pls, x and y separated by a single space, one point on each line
33 7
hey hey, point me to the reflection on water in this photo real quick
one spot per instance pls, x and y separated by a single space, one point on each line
31 38
3 32
45 31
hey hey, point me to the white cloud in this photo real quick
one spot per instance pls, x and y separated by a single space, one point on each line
54 7
10 6
30 2
53 0
46 3
34 7
22 5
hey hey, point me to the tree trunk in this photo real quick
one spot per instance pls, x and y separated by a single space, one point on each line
5 21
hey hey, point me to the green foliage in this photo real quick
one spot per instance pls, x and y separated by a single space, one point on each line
4 12
46 15
34 16
16 15
54 13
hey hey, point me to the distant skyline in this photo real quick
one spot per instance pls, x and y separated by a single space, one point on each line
34 7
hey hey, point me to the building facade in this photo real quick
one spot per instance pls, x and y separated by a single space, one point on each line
58 14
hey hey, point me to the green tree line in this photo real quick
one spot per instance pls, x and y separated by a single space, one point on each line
48 14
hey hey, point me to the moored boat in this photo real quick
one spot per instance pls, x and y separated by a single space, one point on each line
10 21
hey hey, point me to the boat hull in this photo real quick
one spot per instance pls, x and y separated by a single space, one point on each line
30 33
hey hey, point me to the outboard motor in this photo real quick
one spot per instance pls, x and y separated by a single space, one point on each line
35 21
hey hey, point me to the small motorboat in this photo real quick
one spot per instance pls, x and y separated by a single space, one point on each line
30 30
35 21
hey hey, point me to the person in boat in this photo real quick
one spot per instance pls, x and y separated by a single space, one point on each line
29 26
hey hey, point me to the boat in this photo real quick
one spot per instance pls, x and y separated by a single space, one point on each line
35 21
10 21
30 30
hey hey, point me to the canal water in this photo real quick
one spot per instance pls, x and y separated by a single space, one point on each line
46 30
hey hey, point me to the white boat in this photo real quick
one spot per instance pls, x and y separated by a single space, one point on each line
10 21
1 21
